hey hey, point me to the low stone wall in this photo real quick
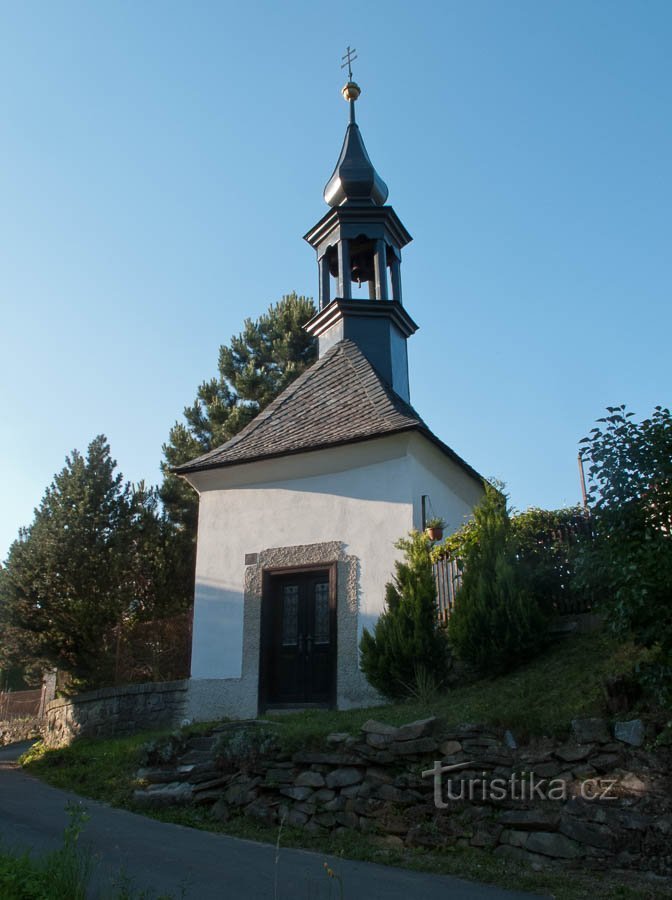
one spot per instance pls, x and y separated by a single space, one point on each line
115 711
596 800
13 730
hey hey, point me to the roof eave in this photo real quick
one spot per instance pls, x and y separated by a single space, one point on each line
189 469
184 471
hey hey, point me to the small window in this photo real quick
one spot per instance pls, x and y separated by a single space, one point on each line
290 615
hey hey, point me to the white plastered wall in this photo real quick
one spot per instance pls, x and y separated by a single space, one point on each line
358 495
364 496
452 492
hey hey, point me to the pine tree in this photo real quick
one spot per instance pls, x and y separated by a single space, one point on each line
259 363
150 562
407 639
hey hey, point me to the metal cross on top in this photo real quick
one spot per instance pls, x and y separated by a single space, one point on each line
349 58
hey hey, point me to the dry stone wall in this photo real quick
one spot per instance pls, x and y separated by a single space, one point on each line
374 783
12 730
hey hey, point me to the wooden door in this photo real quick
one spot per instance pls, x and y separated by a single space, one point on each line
301 641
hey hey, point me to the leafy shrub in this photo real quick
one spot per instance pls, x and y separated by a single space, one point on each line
407 643
242 748
630 560
547 543
497 622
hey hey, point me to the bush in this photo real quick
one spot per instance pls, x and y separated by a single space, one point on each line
630 560
163 750
242 748
408 647
496 623
547 543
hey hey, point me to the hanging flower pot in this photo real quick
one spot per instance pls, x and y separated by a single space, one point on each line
434 529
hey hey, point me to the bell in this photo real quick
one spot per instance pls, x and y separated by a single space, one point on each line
358 273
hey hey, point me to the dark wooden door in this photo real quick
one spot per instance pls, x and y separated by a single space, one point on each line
301 640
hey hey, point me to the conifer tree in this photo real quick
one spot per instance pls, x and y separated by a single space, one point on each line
64 582
254 368
496 623
407 638
96 557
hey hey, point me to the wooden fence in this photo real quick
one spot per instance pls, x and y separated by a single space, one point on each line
22 704
448 580
550 555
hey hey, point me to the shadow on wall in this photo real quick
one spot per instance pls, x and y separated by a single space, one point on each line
218 631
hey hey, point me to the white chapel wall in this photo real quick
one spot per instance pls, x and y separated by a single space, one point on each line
452 492
366 505
362 496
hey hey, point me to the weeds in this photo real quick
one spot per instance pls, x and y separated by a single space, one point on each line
277 858
425 688
64 874
335 878
69 868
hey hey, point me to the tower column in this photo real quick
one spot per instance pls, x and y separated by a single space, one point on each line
395 272
380 268
344 282
325 285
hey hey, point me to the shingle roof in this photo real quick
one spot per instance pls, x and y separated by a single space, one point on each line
340 399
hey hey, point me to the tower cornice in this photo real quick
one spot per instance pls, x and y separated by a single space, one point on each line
368 309
350 219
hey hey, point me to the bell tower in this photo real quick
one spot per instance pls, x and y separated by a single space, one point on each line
358 243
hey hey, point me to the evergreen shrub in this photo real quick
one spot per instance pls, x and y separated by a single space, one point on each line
408 645
496 623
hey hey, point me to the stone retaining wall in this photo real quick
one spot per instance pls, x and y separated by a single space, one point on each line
13 730
115 711
615 810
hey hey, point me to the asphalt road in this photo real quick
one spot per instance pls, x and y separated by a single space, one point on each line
164 858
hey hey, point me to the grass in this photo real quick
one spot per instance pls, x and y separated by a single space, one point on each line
539 698
64 874
100 769
22 878
55 877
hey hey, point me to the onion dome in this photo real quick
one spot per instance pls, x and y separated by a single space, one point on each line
354 179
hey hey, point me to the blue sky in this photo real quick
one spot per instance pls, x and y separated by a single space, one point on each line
160 162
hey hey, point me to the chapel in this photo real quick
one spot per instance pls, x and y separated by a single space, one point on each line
300 512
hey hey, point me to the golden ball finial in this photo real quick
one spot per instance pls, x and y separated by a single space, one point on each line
351 91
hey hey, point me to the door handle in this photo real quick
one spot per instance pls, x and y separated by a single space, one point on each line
300 644
309 642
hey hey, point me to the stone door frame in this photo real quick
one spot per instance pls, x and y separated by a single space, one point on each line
317 556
